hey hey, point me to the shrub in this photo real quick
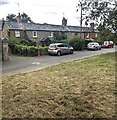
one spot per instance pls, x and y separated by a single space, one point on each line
43 50
11 42
60 35
77 43
28 42
30 50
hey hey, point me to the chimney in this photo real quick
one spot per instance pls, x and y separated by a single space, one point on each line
18 18
64 22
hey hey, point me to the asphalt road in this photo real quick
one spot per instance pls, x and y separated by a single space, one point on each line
26 64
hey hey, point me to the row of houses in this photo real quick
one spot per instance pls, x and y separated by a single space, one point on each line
38 31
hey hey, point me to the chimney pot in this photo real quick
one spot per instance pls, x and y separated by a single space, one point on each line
18 18
64 21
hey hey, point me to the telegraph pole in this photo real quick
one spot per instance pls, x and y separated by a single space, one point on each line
81 20
80 5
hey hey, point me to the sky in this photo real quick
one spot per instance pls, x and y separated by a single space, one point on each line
43 11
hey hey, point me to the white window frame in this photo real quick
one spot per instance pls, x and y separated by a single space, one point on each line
87 35
51 34
17 33
34 33
96 34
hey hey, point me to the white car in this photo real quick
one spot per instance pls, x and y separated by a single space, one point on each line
60 48
93 46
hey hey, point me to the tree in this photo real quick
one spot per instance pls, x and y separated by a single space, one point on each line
11 17
60 35
104 12
112 18
24 18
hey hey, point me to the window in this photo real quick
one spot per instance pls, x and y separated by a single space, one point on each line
87 35
17 33
34 33
51 34
60 45
96 35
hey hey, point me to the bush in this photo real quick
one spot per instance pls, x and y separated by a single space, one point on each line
11 42
30 50
43 50
28 42
77 43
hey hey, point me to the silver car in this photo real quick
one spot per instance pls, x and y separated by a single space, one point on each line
60 48
93 46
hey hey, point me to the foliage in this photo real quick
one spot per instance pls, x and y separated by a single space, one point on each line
60 35
104 15
29 50
28 42
24 18
77 43
11 42
104 12
106 34
11 17
25 47
59 41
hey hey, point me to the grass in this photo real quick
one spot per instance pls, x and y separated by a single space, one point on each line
82 89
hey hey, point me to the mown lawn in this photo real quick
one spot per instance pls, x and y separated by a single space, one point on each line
82 89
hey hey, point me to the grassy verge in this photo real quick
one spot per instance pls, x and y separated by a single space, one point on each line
83 88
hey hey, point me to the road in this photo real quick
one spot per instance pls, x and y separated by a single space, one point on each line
26 64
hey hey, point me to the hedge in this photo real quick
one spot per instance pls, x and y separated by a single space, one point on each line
29 50
77 43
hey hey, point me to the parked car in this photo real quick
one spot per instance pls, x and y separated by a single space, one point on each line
108 44
60 48
93 46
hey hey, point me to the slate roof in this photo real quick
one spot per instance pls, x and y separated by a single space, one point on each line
45 27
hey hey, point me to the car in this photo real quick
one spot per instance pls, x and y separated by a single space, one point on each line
108 44
93 46
60 48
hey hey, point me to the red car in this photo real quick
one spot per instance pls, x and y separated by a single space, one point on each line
108 44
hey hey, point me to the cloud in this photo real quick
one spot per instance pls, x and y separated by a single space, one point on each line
51 13
4 2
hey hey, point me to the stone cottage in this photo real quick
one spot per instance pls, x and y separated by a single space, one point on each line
36 31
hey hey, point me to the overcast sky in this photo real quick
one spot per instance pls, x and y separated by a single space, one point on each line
43 11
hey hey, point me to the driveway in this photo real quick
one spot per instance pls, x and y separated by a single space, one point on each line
26 64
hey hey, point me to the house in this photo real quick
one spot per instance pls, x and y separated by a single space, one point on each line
1 28
3 45
36 31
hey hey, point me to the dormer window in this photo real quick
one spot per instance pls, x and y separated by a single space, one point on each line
17 33
34 33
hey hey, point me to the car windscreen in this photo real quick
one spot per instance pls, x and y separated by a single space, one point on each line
52 46
60 45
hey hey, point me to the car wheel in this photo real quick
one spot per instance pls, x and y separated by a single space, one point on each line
95 48
71 52
59 53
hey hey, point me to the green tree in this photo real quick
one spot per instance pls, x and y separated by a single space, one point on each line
104 15
60 35
24 18
100 11
11 17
